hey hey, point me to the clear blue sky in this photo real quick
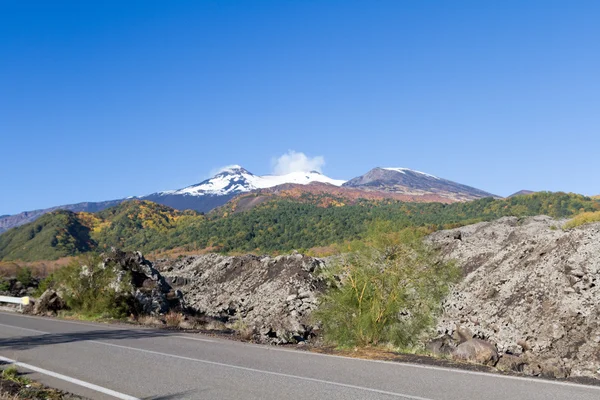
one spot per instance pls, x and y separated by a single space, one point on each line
101 100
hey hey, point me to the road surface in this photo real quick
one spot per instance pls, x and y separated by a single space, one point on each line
103 361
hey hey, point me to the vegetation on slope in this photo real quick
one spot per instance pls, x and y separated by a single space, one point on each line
583 219
391 290
277 225
91 294
50 237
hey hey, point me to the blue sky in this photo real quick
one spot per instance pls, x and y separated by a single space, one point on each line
102 100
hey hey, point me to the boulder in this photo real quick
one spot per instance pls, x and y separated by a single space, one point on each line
463 334
511 362
442 346
478 351
48 303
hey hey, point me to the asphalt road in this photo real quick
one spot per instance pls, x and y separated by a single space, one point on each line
101 361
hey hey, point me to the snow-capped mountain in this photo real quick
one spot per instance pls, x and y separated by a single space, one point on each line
235 179
228 183
411 182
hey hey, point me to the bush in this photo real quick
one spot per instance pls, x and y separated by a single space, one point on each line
583 219
91 288
391 288
24 275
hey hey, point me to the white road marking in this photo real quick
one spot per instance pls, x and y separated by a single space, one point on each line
193 338
309 353
72 380
75 381
24 329
366 389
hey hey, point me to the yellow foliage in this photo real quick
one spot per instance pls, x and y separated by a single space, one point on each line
583 219
90 220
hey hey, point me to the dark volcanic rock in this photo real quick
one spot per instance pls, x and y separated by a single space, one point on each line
48 303
272 297
532 289
152 293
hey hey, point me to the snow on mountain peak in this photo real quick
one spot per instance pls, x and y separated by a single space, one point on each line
235 179
404 170
232 169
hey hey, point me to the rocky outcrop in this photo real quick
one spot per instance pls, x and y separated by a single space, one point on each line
270 297
531 289
152 294
13 287
135 278
48 303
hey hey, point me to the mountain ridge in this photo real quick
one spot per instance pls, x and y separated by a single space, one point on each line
410 182
234 180
275 225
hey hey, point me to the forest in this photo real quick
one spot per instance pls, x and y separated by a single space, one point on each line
276 226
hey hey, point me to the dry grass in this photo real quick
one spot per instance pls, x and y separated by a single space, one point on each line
174 319
8 396
39 269
177 252
582 219
215 325
148 320
244 331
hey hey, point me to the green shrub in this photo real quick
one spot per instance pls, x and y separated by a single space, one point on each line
88 288
24 275
4 285
391 288
12 374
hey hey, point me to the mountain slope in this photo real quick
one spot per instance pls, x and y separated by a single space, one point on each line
275 225
231 181
131 224
522 193
202 197
410 182
52 236
321 194
11 221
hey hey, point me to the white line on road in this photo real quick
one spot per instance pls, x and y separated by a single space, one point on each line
309 353
75 381
193 338
361 388
24 329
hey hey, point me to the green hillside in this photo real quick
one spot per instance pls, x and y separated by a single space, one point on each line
51 236
276 225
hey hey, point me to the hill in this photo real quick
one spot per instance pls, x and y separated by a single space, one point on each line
11 221
522 193
275 225
52 236
410 182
